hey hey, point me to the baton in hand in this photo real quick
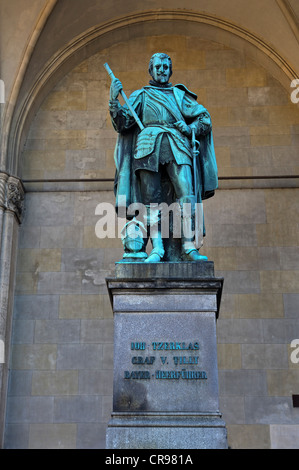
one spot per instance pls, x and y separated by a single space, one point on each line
141 126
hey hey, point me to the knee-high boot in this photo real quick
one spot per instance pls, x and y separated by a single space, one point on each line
154 227
189 250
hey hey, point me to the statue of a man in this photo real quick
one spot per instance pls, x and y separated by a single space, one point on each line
162 151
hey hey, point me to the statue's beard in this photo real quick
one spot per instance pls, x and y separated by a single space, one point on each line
158 84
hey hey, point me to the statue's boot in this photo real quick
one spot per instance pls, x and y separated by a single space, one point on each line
157 253
154 227
189 250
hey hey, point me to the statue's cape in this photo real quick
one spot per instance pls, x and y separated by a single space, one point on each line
126 183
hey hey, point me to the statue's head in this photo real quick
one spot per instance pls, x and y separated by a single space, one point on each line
160 68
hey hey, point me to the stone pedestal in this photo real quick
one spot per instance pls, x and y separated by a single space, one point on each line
165 392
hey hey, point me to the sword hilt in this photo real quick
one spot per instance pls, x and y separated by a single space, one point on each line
195 144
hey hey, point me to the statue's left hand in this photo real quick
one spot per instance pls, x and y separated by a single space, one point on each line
183 127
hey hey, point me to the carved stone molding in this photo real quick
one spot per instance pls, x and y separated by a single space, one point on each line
15 196
12 195
290 16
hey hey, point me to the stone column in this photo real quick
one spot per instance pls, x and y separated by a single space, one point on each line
11 210
165 393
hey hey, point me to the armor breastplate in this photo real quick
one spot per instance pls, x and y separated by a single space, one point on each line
160 107
159 113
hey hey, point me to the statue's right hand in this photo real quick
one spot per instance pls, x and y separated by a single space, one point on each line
116 87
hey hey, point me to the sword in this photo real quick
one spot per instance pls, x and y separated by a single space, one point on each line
198 206
111 74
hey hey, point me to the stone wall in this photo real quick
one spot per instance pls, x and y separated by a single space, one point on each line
61 365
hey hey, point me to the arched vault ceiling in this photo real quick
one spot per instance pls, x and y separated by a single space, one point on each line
75 31
265 20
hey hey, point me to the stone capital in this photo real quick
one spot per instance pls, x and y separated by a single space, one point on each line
12 195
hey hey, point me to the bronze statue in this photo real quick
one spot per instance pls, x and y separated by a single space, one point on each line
160 131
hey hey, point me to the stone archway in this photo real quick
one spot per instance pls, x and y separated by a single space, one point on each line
138 25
